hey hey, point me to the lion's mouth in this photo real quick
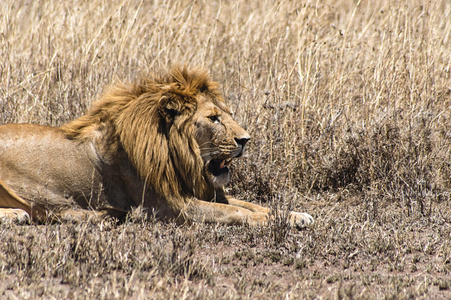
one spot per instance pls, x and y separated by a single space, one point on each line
219 166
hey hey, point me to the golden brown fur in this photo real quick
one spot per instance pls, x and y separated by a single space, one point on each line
138 132
163 143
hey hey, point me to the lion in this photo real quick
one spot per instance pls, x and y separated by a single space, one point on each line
164 143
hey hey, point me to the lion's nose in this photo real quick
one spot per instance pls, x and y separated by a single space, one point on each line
242 140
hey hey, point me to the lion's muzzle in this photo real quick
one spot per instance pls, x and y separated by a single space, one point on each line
241 142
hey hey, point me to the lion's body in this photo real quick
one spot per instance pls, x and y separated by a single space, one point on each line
25 169
163 143
51 172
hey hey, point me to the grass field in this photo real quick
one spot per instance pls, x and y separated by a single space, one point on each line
349 107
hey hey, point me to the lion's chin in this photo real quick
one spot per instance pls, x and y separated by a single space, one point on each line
220 180
219 172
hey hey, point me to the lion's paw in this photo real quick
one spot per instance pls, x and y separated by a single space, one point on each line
17 216
301 220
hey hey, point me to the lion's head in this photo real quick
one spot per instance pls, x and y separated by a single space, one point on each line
218 137
175 129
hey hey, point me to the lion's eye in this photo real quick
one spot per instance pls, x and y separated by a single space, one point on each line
214 119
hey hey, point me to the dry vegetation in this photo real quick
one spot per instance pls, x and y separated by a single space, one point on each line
349 107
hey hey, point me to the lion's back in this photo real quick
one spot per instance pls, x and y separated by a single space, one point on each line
41 165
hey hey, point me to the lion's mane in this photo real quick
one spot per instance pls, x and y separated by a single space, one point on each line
140 119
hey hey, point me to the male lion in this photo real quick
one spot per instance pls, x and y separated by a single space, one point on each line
163 143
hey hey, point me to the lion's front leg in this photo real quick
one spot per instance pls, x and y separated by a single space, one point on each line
296 219
238 212
247 205
213 212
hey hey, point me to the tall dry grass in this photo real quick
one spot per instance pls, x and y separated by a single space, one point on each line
335 95
348 102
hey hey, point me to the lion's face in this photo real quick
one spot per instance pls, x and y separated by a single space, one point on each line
219 137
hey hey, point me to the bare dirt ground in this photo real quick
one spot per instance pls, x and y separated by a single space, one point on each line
349 107
342 256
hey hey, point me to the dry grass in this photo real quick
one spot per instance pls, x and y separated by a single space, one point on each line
349 108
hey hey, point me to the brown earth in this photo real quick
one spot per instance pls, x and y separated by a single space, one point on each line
342 256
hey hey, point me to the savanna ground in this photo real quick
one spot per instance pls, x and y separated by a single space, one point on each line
349 108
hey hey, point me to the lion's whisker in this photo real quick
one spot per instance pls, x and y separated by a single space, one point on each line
210 153
202 145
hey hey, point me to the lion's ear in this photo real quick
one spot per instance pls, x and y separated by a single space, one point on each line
173 105
169 107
